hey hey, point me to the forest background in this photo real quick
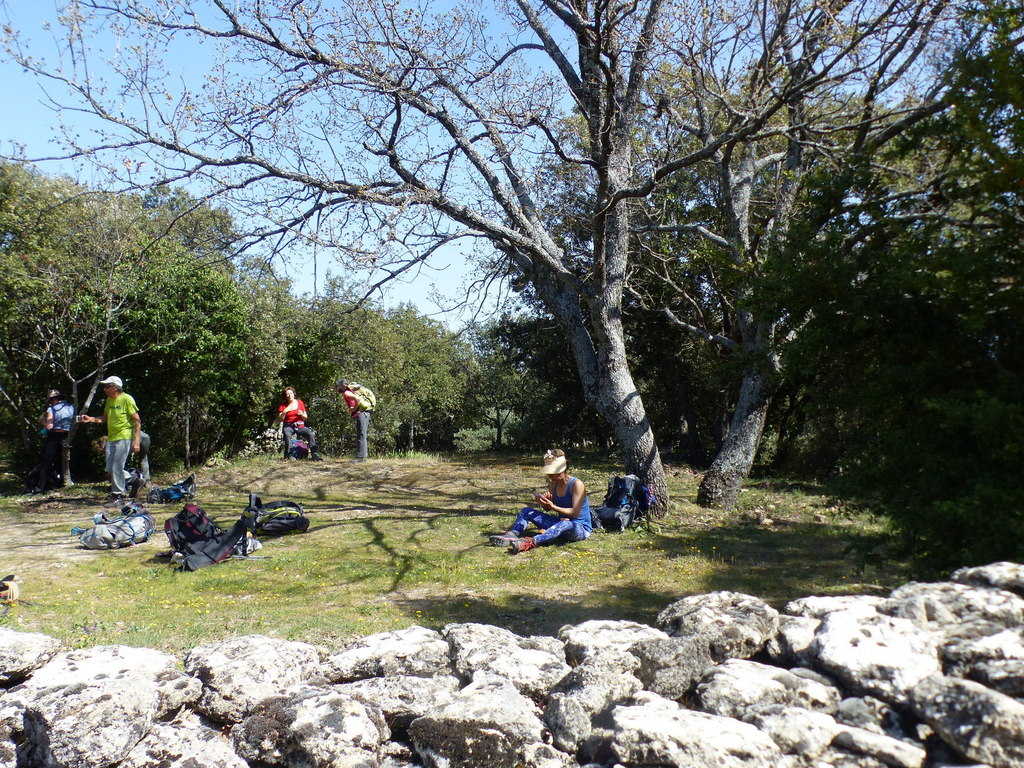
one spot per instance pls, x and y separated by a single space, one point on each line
894 363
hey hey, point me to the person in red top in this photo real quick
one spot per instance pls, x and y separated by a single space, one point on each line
292 415
359 414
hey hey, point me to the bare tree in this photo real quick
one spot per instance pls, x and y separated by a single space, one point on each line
387 130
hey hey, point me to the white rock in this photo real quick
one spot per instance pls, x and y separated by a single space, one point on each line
237 674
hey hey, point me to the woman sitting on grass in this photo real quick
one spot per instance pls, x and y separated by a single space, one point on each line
566 515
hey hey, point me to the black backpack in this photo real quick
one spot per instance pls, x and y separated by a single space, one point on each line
276 517
626 500
41 478
198 541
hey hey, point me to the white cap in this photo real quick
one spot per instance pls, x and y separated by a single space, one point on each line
115 380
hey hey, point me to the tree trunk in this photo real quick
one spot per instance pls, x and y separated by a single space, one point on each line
608 387
188 433
722 482
65 460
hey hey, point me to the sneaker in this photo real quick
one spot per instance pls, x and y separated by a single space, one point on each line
314 456
115 501
521 545
503 539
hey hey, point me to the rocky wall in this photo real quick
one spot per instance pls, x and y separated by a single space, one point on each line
931 676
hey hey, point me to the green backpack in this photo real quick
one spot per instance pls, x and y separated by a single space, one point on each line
367 400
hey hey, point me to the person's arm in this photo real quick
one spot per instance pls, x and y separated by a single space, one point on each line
579 493
137 427
47 418
95 419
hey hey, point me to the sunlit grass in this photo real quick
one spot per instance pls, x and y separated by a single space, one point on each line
402 541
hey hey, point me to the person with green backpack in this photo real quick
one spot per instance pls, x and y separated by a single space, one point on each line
360 402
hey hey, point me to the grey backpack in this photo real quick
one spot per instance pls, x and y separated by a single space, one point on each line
133 525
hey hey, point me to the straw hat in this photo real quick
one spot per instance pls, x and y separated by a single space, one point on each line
553 464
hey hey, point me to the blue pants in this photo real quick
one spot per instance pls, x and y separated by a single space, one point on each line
555 528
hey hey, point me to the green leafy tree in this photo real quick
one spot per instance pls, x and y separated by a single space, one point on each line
101 283
910 314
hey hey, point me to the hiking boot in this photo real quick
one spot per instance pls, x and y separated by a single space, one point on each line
503 539
314 456
115 501
521 545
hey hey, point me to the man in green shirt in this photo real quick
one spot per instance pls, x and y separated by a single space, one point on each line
124 428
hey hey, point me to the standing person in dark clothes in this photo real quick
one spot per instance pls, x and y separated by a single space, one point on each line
56 421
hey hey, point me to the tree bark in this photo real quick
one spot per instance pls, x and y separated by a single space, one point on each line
609 388
723 481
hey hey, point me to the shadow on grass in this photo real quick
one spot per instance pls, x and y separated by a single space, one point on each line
537 614
785 562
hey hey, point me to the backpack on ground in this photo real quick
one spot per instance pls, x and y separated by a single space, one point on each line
299 449
367 400
626 500
276 517
183 489
41 477
197 541
133 525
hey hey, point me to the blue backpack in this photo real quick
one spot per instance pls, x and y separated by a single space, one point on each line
183 489
626 500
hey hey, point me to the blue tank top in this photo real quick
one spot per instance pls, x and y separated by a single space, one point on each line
566 501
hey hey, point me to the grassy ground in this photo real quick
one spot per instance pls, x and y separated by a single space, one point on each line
395 542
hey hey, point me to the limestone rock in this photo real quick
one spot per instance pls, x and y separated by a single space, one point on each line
656 734
884 656
183 743
791 644
981 724
1008 576
237 674
89 708
403 698
589 690
956 610
312 727
737 686
488 723
672 666
415 651
533 665
23 652
602 635
736 626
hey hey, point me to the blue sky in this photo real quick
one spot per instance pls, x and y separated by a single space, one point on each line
29 126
